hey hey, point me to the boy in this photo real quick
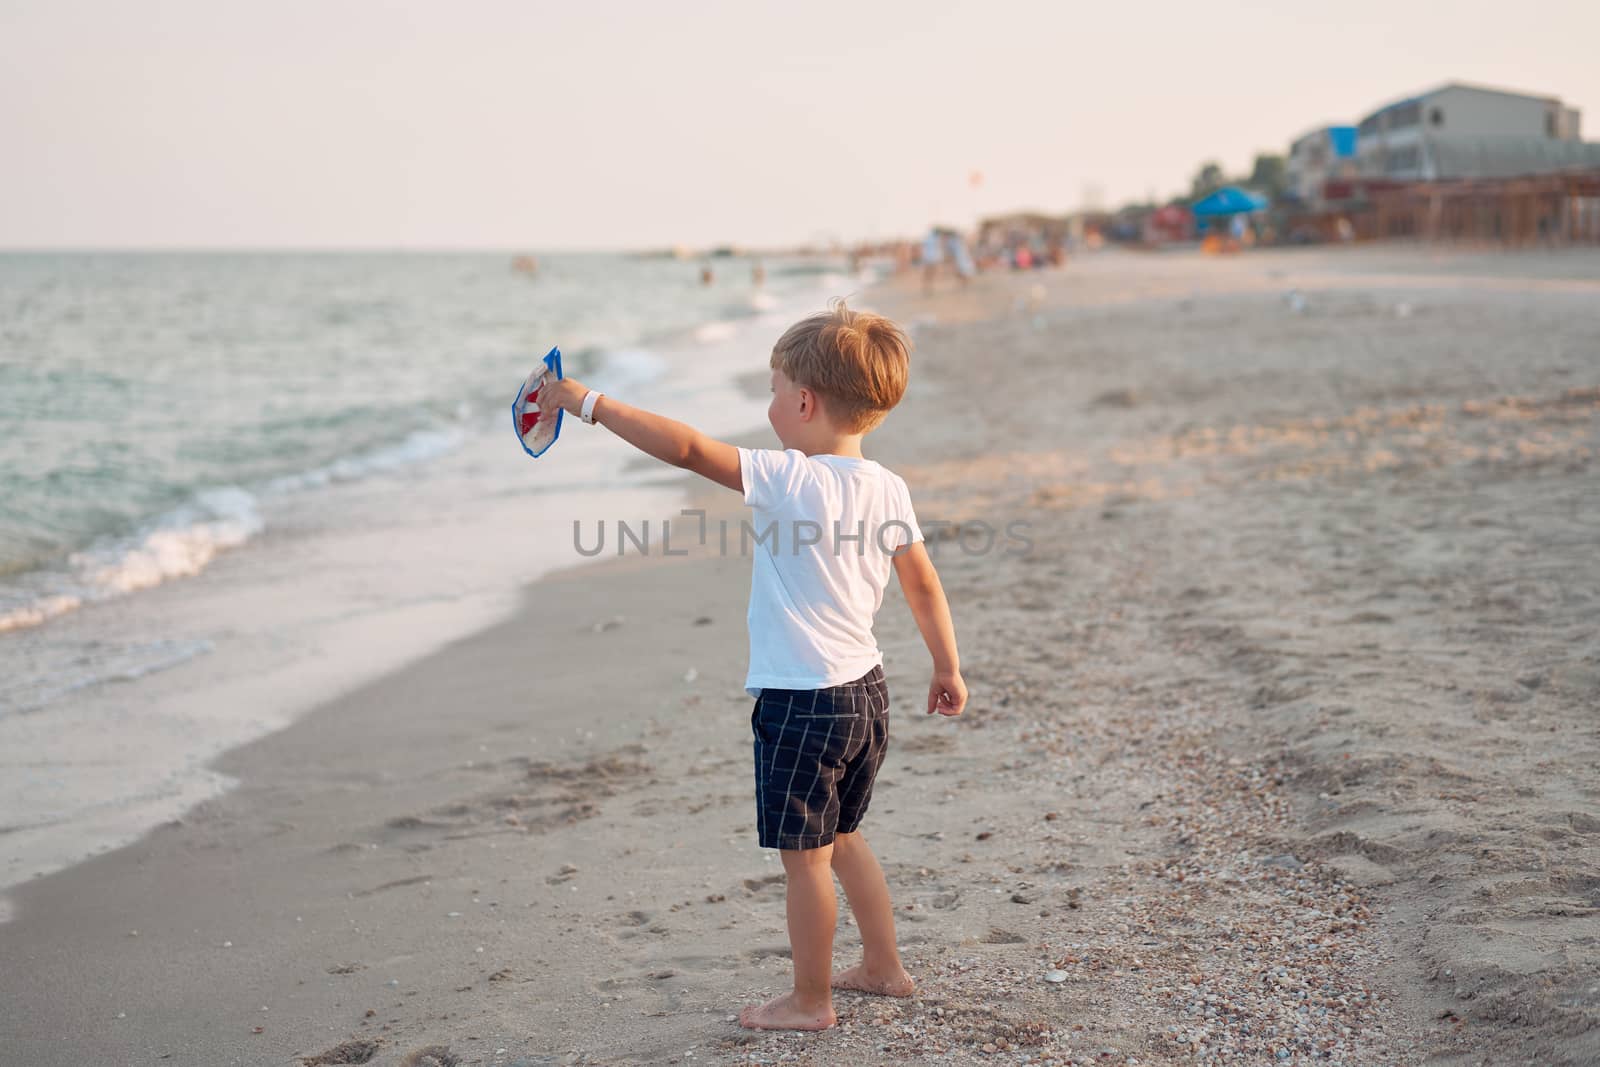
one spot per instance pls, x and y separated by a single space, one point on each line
829 525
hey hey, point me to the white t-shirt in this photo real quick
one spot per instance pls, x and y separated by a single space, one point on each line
823 532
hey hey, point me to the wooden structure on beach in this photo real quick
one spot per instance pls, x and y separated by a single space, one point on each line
1543 209
1000 230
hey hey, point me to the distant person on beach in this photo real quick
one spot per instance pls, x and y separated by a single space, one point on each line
706 277
830 525
1237 228
956 252
932 256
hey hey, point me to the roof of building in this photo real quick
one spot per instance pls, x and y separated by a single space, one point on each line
1550 98
1437 89
1336 134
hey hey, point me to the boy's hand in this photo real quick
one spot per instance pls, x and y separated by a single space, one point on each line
947 693
565 393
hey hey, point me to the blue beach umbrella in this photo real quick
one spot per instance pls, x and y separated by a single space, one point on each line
1229 200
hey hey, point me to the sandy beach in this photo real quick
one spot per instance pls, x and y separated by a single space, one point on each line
1276 584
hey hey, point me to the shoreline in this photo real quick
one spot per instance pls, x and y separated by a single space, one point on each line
1192 781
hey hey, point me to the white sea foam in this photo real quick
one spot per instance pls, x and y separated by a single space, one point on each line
178 545
184 541
39 611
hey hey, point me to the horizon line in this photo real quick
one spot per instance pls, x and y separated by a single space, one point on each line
153 249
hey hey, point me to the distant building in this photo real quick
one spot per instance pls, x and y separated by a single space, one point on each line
1326 152
1000 230
1464 131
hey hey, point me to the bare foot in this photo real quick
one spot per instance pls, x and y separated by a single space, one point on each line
885 985
782 1013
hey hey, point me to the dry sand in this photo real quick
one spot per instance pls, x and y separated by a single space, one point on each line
1282 745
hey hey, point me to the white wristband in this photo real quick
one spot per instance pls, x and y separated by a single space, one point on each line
587 414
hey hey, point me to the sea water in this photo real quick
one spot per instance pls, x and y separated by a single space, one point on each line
235 485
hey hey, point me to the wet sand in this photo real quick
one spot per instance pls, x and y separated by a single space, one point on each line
1282 744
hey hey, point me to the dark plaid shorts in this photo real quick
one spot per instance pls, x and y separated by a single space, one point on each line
817 753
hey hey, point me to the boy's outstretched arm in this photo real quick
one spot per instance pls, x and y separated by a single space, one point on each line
947 693
666 439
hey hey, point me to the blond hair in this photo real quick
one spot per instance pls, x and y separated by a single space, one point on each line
856 361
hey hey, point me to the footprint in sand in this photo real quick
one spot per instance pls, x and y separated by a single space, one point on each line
941 742
1368 618
397 884
547 795
766 952
638 923
769 887
409 823
345 1052
432 1056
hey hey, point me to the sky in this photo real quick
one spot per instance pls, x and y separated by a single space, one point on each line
394 124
